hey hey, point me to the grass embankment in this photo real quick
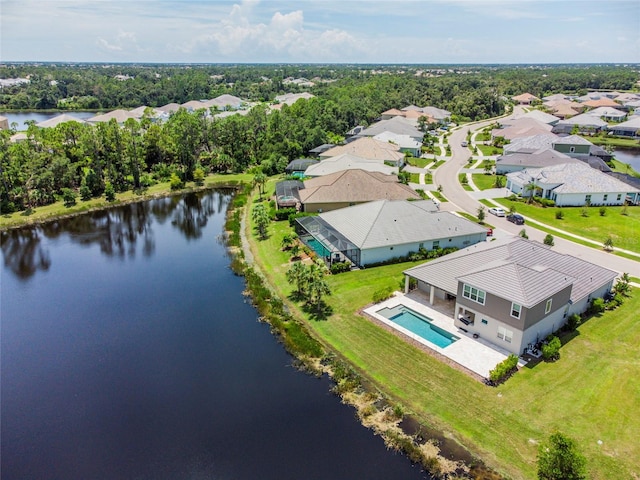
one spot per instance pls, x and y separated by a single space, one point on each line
484 182
591 394
615 141
419 162
58 209
623 229
622 167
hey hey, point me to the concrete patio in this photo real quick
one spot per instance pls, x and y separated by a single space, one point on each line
474 354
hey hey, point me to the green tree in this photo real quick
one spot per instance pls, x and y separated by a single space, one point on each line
317 286
261 219
608 243
259 180
548 240
481 214
109 192
297 276
69 197
559 459
288 240
523 233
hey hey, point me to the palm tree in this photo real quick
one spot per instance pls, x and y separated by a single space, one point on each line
260 179
297 275
260 217
317 286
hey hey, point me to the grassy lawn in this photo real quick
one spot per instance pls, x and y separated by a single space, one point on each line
437 164
414 177
419 162
58 209
484 136
624 229
621 167
462 179
484 182
591 394
615 141
439 196
488 150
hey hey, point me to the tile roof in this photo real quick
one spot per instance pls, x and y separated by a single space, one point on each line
539 159
55 121
347 161
367 147
398 125
540 116
119 115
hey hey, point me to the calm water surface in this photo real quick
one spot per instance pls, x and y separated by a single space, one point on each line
630 156
129 352
21 117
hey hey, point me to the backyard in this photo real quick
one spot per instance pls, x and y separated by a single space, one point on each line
590 394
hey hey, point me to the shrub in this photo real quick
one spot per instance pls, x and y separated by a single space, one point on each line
504 369
597 306
573 322
551 350
340 267
602 211
284 213
559 214
85 192
109 192
198 176
548 240
69 197
382 294
175 182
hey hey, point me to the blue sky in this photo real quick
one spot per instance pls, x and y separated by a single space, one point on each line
321 31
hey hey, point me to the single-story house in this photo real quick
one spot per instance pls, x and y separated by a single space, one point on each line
193 105
525 99
554 97
565 111
630 128
224 102
434 114
585 123
119 115
522 127
291 98
392 112
298 166
378 231
601 102
350 187
573 145
541 116
319 150
405 143
519 161
368 147
57 120
4 123
608 114
347 161
512 292
572 184
396 125
532 144
170 107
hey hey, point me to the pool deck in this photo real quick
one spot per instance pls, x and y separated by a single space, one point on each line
474 354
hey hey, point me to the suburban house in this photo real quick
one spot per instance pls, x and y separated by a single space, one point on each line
522 127
395 125
193 105
224 102
433 114
554 97
170 107
392 112
319 150
601 102
119 115
347 161
287 193
572 184
368 147
4 123
630 128
350 187
152 112
541 116
584 123
608 114
405 143
525 99
512 292
532 144
291 98
573 145
378 231
57 120
298 166
519 161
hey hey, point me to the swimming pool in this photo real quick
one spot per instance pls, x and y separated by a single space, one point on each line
418 324
317 247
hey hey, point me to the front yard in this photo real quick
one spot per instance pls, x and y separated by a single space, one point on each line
590 394
623 229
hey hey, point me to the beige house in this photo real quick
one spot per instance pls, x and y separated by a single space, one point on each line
369 148
4 123
525 99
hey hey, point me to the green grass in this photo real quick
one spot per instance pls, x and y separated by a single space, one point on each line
437 164
484 182
485 136
488 150
634 279
439 196
414 177
615 141
624 229
621 167
419 162
462 179
590 394
58 209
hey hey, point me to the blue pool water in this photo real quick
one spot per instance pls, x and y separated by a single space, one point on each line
318 247
418 324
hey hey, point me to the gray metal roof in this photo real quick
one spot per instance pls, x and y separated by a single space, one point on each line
397 125
583 119
444 272
542 159
572 140
534 143
384 222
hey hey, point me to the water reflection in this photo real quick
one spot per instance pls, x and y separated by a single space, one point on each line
119 232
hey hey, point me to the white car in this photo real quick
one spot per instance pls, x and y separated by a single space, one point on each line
497 211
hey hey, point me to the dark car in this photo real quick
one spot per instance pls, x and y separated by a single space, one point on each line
515 218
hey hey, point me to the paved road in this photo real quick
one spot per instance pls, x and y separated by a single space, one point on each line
461 200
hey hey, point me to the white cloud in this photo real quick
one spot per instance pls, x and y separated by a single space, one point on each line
123 42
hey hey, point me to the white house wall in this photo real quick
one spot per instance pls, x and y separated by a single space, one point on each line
582 304
578 199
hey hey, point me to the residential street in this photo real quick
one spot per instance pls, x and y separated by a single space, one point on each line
461 200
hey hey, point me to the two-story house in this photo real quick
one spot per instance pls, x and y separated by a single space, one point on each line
513 292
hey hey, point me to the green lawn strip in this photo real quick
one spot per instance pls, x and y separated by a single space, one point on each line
590 394
462 179
489 150
437 164
615 141
634 279
414 177
419 162
621 167
58 209
483 181
622 228
439 196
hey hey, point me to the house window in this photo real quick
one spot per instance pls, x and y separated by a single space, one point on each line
421 245
436 244
619 197
572 149
516 310
484 322
472 293
504 334
547 307
604 199
587 199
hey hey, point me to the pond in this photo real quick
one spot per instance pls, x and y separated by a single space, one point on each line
630 156
21 117
129 352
